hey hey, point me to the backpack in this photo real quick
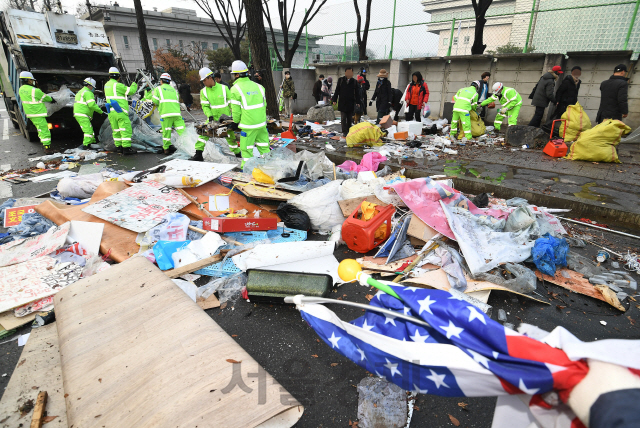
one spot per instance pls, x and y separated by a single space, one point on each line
533 93
396 96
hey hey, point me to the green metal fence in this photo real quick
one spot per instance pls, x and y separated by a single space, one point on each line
528 26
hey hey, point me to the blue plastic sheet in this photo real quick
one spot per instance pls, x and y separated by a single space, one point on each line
6 204
549 253
163 250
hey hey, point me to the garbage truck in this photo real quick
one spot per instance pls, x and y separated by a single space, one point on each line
59 50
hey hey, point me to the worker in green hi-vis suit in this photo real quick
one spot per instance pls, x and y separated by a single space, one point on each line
33 100
168 102
118 106
83 110
510 100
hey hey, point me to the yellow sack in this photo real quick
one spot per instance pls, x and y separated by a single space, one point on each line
364 133
599 144
261 177
577 122
477 126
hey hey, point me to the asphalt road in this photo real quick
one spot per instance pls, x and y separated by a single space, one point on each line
289 350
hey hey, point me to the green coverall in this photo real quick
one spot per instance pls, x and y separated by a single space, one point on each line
511 101
83 110
166 98
120 123
215 103
465 101
33 100
249 109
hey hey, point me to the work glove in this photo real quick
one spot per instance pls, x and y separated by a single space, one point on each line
233 126
53 101
210 118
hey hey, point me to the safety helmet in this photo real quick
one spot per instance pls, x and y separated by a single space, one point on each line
204 73
26 75
165 76
497 87
90 81
239 67
476 83
113 70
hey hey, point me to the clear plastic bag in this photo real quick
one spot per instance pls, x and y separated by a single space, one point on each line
186 142
217 151
82 186
64 98
226 286
321 205
143 137
520 278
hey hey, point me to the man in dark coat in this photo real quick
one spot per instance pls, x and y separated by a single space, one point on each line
383 95
185 93
365 87
347 96
317 89
544 94
613 96
567 93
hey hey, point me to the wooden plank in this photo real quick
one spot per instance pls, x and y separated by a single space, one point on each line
136 351
39 410
264 192
9 321
420 230
38 367
208 303
174 273
348 206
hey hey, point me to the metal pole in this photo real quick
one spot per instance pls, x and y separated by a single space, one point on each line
599 228
393 29
306 41
533 11
344 55
633 20
453 27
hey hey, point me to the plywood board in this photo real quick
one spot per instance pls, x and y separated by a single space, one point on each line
201 172
263 192
421 230
38 369
578 284
438 279
348 206
118 242
136 351
9 320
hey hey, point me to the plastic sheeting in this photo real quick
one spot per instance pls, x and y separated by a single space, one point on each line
143 138
82 186
549 253
32 224
64 98
321 205
369 162
283 163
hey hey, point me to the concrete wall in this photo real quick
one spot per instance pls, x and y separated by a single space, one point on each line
445 75
304 80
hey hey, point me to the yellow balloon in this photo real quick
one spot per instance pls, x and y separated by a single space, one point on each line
348 269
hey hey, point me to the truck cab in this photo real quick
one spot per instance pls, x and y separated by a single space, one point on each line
58 50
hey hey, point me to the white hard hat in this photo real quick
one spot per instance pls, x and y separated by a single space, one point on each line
476 83
165 76
26 75
204 73
497 87
113 70
239 67
90 81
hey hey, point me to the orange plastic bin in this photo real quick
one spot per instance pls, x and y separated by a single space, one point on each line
360 235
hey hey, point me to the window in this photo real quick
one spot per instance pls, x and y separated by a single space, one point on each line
455 40
155 44
193 44
444 42
204 45
181 44
126 42
214 46
466 39
168 41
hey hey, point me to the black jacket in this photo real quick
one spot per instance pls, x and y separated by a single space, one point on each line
567 93
185 93
544 91
347 94
383 95
613 98
317 89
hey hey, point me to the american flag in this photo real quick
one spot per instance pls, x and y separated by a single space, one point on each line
463 352
225 179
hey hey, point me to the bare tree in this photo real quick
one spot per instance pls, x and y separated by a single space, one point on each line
198 55
231 18
29 5
285 23
144 43
260 52
480 8
362 39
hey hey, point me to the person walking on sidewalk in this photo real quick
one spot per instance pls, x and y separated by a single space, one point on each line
317 89
567 93
83 110
185 94
288 92
118 107
214 99
544 94
249 110
347 96
167 100
613 96
383 95
33 100
511 102
466 99
416 96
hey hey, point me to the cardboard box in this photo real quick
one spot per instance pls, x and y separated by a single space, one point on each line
401 135
242 224
386 122
420 230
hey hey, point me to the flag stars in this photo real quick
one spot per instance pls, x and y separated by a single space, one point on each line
417 389
480 359
389 319
366 327
425 305
475 315
362 356
451 330
437 379
334 340
392 367
417 338
522 387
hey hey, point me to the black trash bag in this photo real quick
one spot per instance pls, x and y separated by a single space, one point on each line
481 201
293 217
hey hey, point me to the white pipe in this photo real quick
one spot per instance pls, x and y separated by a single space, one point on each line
598 227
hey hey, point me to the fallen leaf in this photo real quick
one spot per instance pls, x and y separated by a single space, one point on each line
369 296
375 405
48 419
454 421
334 364
314 356
229 360
234 335
100 380
66 395
631 320
97 416
463 405
21 363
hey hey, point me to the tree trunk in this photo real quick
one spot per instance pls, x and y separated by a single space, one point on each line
260 52
478 45
142 30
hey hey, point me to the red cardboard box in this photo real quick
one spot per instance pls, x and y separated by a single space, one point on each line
242 224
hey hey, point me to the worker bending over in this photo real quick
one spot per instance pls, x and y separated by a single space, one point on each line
509 99
214 99
83 110
466 99
249 109
118 108
33 100
167 100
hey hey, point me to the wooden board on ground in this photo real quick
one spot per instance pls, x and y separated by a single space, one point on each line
438 279
420 230
9 321
38 369
373 263
208 303
253 191
118 242
579 284
348 206
136 351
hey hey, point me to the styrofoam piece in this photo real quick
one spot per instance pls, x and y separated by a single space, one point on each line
412 127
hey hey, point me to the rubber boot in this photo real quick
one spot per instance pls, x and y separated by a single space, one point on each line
48 150
198 156
128 151
170 150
